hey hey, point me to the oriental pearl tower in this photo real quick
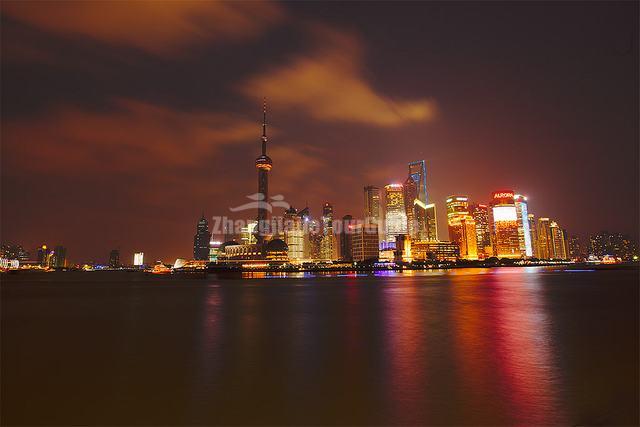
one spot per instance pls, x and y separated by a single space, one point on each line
263 164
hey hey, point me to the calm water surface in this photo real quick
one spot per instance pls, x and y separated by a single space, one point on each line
500 346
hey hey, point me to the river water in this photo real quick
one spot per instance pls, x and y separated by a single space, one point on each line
498 346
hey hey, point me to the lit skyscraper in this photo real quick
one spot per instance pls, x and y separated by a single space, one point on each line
545 248
264 165
395 217
372 210
524 233
480 214
418 173
558 244
248 233
138 259
327 242
462 226
294 235
415 187
506 243
425 221
365 242
533 229
201 240
410 189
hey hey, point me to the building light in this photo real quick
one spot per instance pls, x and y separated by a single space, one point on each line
505 213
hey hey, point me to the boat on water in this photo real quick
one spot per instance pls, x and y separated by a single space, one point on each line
160 269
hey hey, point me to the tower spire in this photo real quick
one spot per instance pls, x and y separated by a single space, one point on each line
264 126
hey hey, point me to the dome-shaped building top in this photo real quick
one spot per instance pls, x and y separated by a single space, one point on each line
277 250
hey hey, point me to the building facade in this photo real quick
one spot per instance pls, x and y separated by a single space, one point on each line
480 214
294 235
201 240
425 221
462 226
395 219
504 222
365 242
524 232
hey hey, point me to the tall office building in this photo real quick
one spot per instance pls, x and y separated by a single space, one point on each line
410 189
201 240
415 188
545 248
138 259
425 221
327 243
505 238
533 229
114 258
42 255
575 248
294 234
248 233
372 206
462 226
59 257
395 218
264 165
480 214
346 242
418 173
524 233
558 244
365 242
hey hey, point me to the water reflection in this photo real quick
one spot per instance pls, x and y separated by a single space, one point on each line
461 347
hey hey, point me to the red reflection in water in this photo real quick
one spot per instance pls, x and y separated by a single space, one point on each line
405 338
522 345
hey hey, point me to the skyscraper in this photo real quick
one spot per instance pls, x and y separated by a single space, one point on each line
42 255
264 165
248 233
480 214
426 227
59 258
533 229
201 240
545 248
558 244
346 242
410 189
327 242
395 219
372 204
506 243
524 233
294 234
365 242
138 259
418 173
114 258
462 226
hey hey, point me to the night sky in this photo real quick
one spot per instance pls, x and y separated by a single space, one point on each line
123 121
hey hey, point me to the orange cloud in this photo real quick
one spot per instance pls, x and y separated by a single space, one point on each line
329 85
158 27
132 136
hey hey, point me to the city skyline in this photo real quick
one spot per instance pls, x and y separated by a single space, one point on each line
136 159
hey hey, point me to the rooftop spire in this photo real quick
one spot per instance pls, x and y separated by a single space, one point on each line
264 117
264 126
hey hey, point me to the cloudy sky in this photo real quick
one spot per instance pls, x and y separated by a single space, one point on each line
123 121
